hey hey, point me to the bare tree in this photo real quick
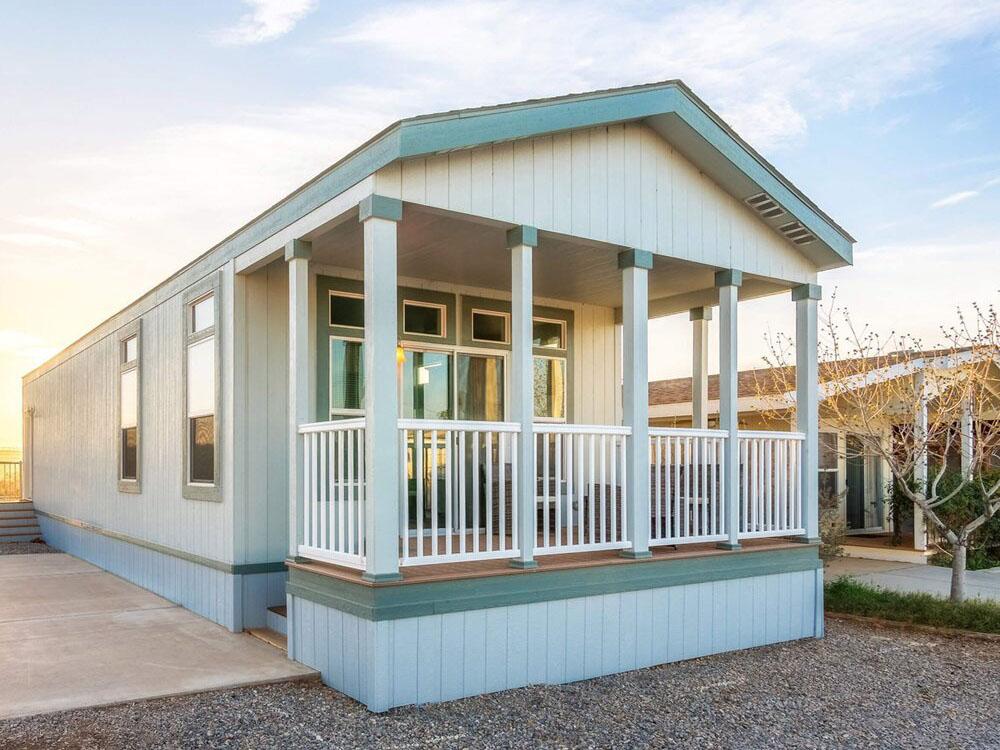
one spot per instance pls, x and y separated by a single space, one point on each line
910 407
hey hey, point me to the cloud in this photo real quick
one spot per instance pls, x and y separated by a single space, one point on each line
768 67
955 198
25 346
267 20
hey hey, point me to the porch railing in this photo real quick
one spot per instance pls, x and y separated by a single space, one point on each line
10 480
456 490
581 488
687 496
770 486
334 492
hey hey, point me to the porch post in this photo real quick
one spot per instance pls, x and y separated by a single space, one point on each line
635 266
920 470
966 437
297 255
699 367
728 284
807 298
379 214
522 241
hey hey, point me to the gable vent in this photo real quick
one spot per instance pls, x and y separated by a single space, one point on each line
765 205
797 233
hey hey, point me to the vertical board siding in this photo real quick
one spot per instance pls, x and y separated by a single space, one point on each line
75 437
442 657
622 184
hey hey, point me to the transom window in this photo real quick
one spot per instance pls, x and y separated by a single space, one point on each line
548 334
424 319
130 350
490 327
203 314
347 310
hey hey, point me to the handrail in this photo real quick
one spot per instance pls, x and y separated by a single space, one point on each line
332 426
581 429
686 432
771 434
455 425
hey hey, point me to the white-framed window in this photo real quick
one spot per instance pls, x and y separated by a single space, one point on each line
346 377
128 409
550 389
829 465
347 310
548 334
201 392
424 319
490 327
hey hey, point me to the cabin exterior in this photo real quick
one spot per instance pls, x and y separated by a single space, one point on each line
409 403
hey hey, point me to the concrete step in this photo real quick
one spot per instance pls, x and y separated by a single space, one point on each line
20 536
277 620
271 637
13 523
11 506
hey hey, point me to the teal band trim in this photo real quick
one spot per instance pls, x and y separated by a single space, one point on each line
233 569
522 235
729 277
807 291
393 602
633 258
380 207
298 249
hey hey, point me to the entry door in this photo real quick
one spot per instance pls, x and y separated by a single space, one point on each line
855 483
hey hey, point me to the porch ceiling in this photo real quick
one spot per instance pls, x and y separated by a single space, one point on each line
448 248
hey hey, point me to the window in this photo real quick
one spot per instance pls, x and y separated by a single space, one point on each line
550 388
829 464
427 383
548 334
490 327
201 396
128 408
480 387
347 310
424 319
347 377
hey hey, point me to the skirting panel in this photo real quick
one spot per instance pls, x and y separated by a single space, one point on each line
220 596
387 663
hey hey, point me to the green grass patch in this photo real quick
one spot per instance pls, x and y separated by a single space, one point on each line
850 597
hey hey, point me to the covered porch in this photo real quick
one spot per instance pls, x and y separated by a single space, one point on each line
464 392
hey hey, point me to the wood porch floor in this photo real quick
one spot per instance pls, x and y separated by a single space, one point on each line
484 568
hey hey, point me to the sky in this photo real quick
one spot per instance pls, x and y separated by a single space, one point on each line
134 136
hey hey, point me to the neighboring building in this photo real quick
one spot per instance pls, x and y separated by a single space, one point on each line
392 403
850 474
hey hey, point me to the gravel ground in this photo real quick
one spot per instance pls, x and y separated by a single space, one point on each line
858 688
23 548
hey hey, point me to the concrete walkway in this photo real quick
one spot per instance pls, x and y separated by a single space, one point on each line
72 635
917 579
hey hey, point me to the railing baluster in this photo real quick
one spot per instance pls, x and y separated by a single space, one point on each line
461 493
502 491
489 491
543 439
449 479
406 466
418 475
475 491
434 492
558 491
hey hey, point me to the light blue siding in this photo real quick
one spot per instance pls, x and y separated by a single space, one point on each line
441 657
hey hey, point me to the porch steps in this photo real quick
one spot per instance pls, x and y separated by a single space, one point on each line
18 522
276 632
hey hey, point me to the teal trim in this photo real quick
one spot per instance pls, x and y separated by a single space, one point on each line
233 569
633 258
380 207
298 249
807 291
522 235
729 277
393 602
700 313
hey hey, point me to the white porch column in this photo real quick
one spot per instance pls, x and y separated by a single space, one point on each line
967 437
807 298
522 241
297 255
27 454
635 266
379 215
728 284
920 470
699 367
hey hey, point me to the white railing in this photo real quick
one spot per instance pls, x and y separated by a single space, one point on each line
581 489
456 490
770 487
10 480
686 493
333 486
